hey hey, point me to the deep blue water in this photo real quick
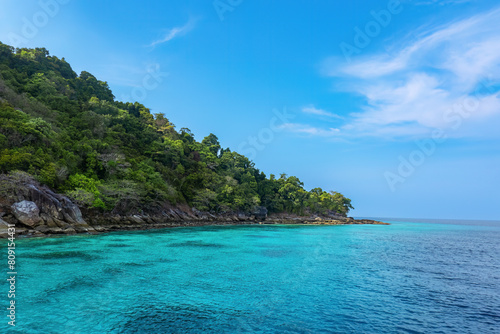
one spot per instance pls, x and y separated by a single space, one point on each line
403 278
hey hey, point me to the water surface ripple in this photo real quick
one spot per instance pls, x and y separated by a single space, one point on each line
403 278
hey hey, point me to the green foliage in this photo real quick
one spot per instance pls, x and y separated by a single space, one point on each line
13 160
85 190
121 191
48 175
323 202
68 132
11 182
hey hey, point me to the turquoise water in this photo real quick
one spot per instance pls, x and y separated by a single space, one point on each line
403 278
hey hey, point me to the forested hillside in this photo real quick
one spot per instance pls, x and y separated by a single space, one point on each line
69 132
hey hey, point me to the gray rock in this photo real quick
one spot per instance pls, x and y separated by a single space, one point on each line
260 212
42 228
27 213
197 212
49 221
242 216
80 229
47 201
4 229
72 210
55 205
136 219
173 214
70 230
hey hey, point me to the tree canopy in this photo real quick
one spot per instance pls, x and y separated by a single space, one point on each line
69 132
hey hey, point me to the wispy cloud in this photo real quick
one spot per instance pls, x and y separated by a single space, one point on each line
417 86
175 32
309 130
319 112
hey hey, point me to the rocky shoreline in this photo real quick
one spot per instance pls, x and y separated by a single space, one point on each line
37 211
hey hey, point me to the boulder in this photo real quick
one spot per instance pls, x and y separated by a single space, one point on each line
71 210
197 212
260 212
242 216
4 229
47 201
136 219
173 214
49 221
26 212
69 230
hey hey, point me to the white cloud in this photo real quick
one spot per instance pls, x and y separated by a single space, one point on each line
426 81
320 112
310 130
175 32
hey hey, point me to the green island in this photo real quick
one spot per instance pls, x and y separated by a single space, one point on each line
73 159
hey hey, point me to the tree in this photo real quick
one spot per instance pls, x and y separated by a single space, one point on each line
212 142
68 132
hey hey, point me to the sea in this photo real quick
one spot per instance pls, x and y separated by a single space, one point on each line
413 276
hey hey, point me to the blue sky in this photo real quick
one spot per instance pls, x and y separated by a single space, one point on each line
393 103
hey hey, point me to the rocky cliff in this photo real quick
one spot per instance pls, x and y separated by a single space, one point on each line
36 210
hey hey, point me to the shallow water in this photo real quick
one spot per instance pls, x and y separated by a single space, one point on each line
406 277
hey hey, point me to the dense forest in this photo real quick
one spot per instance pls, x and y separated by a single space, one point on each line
69 133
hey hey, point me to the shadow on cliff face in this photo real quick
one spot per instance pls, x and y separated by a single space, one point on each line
32 206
